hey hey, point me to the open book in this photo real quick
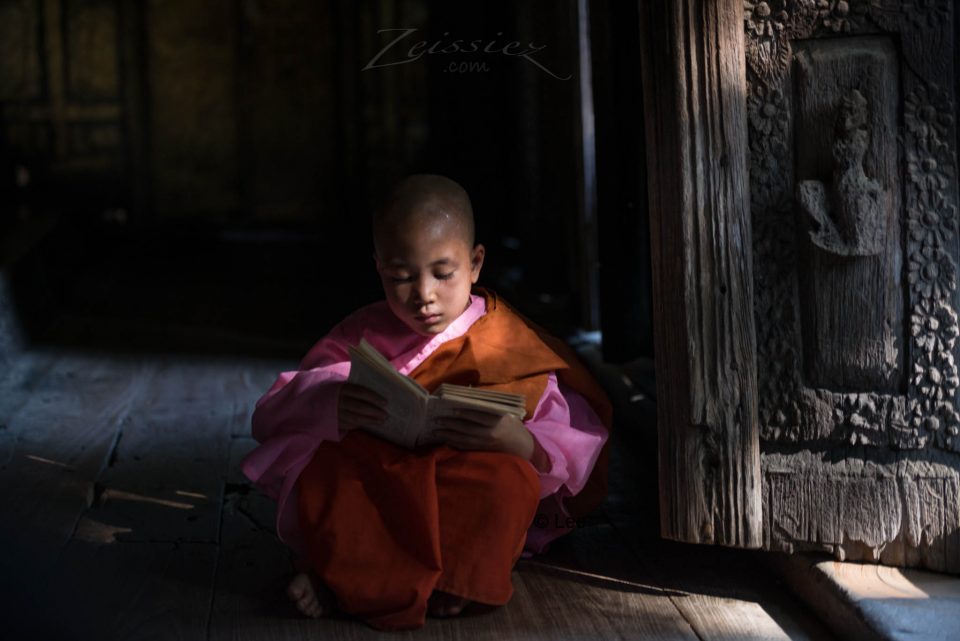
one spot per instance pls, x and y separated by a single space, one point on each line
411 408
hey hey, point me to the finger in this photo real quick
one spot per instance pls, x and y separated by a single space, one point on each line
461 425
358 419
361 418
363 401
362 407
479 417
364 423
359 392
353 401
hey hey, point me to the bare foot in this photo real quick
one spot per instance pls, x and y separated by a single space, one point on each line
444 604
311 597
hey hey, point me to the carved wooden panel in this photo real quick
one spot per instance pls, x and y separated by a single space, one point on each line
91 63
191 62
60 93
20 52
287 105
851 114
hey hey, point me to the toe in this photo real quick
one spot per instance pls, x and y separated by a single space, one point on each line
298 587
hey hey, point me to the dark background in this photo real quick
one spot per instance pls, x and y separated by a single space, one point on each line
200 174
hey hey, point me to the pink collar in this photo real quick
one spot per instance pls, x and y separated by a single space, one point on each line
409 361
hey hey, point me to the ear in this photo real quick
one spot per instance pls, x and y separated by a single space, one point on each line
476 262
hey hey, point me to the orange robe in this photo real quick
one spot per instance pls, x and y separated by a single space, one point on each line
385 526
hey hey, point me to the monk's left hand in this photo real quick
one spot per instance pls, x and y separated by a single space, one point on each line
469 429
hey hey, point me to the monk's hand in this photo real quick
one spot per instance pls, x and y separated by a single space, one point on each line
359 406
468 429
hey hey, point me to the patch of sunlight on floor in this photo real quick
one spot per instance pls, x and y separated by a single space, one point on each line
40 459
867 581
192 495
130 496
91 531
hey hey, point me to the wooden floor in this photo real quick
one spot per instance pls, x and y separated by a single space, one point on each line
123 516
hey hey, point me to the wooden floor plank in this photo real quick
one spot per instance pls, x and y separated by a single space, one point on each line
162 487
166 476
548 604
718 619
63 433
256 377
162 437
596 555
63 437
724 593
133 591
254 565
17 382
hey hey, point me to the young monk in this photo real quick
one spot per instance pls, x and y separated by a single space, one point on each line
391 534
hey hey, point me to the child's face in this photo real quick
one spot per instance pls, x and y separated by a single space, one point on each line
427 271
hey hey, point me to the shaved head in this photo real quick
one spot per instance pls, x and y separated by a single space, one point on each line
424 200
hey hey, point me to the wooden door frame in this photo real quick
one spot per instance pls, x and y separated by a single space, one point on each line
694 77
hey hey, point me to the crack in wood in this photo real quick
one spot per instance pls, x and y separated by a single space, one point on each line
115 449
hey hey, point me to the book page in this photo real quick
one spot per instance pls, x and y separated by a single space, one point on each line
498 403
405 407
449 407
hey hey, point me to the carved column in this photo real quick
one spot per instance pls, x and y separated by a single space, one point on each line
694 80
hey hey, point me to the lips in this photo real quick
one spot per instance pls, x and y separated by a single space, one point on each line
428 319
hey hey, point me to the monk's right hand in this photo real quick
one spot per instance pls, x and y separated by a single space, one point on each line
360 406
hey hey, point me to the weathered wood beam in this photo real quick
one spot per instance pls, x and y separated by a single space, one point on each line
694 80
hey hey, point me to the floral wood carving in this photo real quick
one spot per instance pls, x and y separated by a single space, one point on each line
932 219
771 24
924 413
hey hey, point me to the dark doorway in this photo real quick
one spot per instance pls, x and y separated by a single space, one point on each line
204 173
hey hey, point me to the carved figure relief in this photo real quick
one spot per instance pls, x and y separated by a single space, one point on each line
846 213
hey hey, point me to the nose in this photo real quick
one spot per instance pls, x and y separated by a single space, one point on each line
424 289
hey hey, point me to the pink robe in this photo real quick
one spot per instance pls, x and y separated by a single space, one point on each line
299 411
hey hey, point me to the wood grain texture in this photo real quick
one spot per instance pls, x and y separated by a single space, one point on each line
851 307
22 374
192 81
693 64
21 68
98 586
717 619
707 585
588 596
894 508
254 566
63 433
63 436
165 477
857 342
712 589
